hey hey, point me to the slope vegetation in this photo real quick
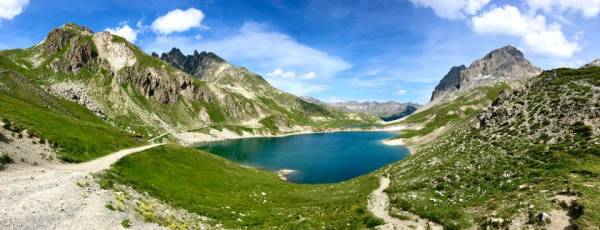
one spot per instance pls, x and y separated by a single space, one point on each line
77 133
147 96
242 197
531 158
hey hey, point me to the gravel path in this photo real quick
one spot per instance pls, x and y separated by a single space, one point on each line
101 163
379 203
61 196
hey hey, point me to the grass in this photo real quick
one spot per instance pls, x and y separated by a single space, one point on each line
78 134
461 109
514 164
241 197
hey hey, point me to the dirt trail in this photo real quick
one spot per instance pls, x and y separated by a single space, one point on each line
62 196
101 163
379 204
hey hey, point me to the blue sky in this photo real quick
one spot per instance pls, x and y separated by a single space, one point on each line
332 50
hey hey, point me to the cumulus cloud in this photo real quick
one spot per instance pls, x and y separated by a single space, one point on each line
537 35
401 92
178 21
308 76
124 31
282 74
452 9
589 8
9 9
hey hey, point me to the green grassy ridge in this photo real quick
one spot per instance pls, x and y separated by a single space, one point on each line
209 185
450 112
78 133
516 164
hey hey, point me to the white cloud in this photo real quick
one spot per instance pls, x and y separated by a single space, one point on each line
9 9
537 35
401 92
124 31
282 74
452 9
178 21
259 49
308 76
589 8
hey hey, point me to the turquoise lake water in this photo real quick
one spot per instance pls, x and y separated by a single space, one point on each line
318 158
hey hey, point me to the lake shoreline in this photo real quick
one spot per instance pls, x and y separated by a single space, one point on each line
313 158
193 143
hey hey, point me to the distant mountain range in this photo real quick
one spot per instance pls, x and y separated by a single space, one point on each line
387 111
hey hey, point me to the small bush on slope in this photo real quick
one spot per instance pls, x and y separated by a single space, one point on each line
514 158
243 197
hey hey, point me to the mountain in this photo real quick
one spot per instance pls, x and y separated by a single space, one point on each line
528 160
595 63
202 65
387 111
464 91
195 98
506 64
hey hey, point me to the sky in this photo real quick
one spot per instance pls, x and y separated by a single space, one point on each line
333 50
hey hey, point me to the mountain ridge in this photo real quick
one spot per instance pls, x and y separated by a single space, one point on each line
387 110
148 96
506 64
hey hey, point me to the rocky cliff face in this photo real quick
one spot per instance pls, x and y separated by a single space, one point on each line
201 65
506 64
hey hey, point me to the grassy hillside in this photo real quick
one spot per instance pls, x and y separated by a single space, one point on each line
450 113
241 197
77 133
514 161
148 97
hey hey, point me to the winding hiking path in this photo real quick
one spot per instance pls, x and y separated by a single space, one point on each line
379 204
103 162
62 196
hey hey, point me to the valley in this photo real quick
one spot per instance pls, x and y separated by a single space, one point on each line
96 130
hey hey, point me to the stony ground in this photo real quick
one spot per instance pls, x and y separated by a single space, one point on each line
40 193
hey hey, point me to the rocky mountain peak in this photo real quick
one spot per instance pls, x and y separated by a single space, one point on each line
506 64
595 63
506 52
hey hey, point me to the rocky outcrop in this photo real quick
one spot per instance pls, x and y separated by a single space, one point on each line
79 49
595 63
116 54
160 85
200 65
506 64
450 82
56 40
76 92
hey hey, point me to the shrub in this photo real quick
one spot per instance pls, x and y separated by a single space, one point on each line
5 159
125 223
371 221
